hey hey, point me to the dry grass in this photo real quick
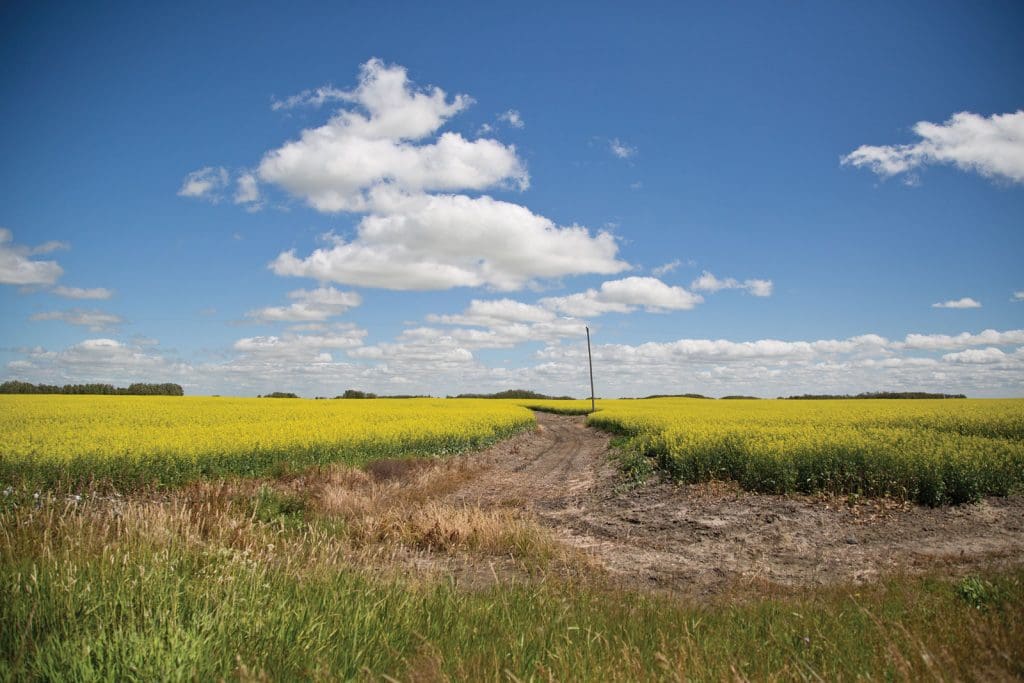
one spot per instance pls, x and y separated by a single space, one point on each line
391 517
281 579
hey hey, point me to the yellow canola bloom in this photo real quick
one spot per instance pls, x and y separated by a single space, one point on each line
930 451
139 439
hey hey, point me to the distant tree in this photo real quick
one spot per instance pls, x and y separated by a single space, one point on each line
874 395
355 393
138 389
279 394
518 394
677 396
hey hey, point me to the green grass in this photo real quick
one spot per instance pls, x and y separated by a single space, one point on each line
160 596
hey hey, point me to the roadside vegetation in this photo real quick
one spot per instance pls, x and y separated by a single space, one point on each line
347 574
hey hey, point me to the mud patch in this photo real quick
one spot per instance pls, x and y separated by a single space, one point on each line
703 539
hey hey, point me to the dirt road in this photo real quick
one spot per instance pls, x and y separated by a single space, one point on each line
703 538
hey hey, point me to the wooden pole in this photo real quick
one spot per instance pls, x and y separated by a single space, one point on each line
590 362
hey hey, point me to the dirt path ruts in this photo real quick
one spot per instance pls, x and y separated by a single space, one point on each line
704 538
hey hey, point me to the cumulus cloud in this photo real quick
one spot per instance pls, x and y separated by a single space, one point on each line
724 350
666 268
966 302
624 296
374 143
445 241
301 347
98 360
96 321
707 282
441 351
382 153
18 268
621 149
976 356
247 191
440 360
83 293
512 118
207 183
489 313
310 306
936 342
507 324
992 146
1018 296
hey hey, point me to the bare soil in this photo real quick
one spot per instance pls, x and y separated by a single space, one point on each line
702 539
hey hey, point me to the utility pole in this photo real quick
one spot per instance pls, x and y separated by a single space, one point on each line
590 361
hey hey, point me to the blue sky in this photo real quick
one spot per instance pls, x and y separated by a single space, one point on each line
759 198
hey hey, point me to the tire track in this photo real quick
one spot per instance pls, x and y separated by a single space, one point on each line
707 538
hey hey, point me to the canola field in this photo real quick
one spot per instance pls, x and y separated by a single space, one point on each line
131 441
933 452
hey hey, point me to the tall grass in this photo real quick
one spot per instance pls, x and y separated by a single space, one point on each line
209 590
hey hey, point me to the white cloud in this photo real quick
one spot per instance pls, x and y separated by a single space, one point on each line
310 305
1018 296
621 149
976 356
624 296
444 241
17 268
966 302
512 118
206 183
333 165
300 347
438 361
666 268
707 282
247 191
81 293
49 247
496 312
936 342
440 352
310 98
507 324
993 147
759 287
723 350
96 321
382 153
98 360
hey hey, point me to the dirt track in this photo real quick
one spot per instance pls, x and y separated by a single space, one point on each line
703 538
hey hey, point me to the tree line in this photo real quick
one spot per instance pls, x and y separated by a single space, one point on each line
873 394
519 394
137 389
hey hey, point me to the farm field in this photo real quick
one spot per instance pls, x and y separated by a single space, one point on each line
138 541
132 441
932 452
